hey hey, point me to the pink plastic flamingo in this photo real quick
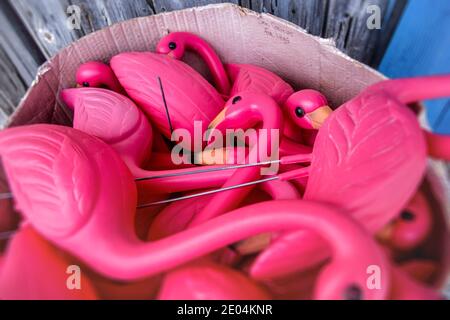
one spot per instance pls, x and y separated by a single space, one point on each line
178 216
206 280
421 270
361 172
405 288
113 118
102 221
412 225
306 109
111 289
34 269
188 95
246 112
96 74
260 108
244 77
438 145
116 120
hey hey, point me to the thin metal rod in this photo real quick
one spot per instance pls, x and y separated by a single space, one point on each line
165 104
205 193
230 167
8 195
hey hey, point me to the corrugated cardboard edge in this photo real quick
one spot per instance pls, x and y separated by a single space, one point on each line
98 45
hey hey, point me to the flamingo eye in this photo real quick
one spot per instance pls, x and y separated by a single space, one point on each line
85 84
172 45
236 99
407 215
300 112
353 292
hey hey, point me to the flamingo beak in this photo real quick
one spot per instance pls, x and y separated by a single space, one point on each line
318 116
215 123
171 55
213 157
254 244
385 234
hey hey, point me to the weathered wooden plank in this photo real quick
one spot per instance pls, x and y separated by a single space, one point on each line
12 87
170 5
47 21
19 61
18 45
343 20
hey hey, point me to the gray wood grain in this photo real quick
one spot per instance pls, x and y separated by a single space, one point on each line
18 45
343 20
19 61
12 87
47 23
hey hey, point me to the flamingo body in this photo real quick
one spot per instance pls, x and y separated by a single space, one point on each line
360 168
247 77
109 225
353 168
189 96
113 118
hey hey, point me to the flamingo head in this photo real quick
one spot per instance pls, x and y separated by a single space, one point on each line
97 75
248 110
308 109
174 45
411 226
362 276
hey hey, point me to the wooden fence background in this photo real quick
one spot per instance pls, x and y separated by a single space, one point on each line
34 30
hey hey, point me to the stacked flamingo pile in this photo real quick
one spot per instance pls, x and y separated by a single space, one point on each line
341 217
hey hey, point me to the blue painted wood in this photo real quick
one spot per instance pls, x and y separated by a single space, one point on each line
421 46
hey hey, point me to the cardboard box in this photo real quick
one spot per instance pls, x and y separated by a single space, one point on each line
238 35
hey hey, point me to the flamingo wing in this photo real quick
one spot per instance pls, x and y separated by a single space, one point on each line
188 95
51 176
246 77
113 118
369 158
105 114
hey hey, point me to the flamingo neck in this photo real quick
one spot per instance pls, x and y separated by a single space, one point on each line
226 201
148 259
212 60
